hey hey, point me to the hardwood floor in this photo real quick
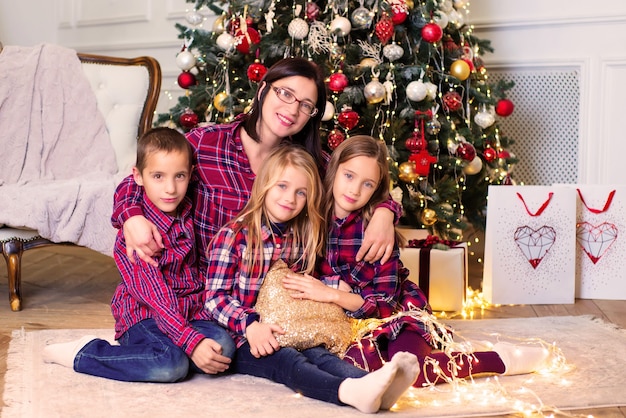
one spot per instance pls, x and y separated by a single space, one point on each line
71 287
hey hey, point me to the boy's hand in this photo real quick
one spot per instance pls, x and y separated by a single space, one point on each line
261 338
208 357
142 238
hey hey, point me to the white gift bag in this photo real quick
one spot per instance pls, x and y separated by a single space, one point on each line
530 245
601 246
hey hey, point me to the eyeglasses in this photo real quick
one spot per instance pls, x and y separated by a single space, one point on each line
287 97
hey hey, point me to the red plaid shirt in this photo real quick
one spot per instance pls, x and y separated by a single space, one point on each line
232 284
385 288
220 187
172 293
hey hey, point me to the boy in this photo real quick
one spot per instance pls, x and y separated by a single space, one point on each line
161 325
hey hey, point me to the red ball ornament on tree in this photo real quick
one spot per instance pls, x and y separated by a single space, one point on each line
335 137
256 71
186 80
415 143
452 101
466 151
188 119
504 154
337 82
490 154
348 118
245 39
504 107
432 32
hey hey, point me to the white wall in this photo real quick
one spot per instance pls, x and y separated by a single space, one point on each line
567 57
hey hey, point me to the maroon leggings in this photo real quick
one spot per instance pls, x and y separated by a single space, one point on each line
465 365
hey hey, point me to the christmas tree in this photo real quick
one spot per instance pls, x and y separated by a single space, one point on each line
408 72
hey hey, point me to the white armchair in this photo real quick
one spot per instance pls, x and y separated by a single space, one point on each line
126 92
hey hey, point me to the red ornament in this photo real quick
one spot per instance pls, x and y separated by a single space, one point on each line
422 161
348 118
452 101
504 107
337 82
415 143
504 154
466 151
243 40
312 11
256 71
188 119
432 32
335 137
490 154
186 80
384 29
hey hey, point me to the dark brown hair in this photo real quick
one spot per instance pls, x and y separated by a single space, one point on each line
309 136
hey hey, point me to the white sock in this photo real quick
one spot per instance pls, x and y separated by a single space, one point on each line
408 372
65 353
366 393
521 359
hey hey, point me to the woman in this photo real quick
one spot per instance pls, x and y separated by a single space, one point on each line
288 106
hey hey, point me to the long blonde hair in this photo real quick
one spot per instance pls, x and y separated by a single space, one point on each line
308 227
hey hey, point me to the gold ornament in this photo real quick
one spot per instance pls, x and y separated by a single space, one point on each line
429 217
368 63
406 172
218 101
410 4
460 69
219 25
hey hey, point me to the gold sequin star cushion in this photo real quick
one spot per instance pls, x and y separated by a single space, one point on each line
307 323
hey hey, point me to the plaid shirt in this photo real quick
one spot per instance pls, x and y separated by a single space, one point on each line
385 288
172 293
220 186
232 284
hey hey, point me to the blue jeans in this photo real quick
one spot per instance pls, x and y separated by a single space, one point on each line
145 354
315 373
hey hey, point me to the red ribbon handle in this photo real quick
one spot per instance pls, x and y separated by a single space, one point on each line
607 204
541 209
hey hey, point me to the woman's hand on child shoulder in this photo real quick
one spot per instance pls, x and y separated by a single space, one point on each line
261 338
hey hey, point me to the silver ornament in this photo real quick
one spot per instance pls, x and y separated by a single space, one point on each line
374 91
416 91
393 52
361 18
194 18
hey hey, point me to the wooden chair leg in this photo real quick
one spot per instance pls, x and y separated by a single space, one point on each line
12 251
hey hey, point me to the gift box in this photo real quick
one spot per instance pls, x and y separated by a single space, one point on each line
440 273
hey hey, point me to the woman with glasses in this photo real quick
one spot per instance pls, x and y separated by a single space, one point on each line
288 106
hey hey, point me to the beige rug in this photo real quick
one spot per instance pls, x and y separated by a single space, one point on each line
595 349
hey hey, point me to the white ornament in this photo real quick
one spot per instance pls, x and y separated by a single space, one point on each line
474 166
374 91
431 90
226 41
416 91
459 4
484 119
340 25
456 18
194 18
393 52
298 28
185 60
329 112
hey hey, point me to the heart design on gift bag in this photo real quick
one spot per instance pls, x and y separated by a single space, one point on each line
595 240
534 243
